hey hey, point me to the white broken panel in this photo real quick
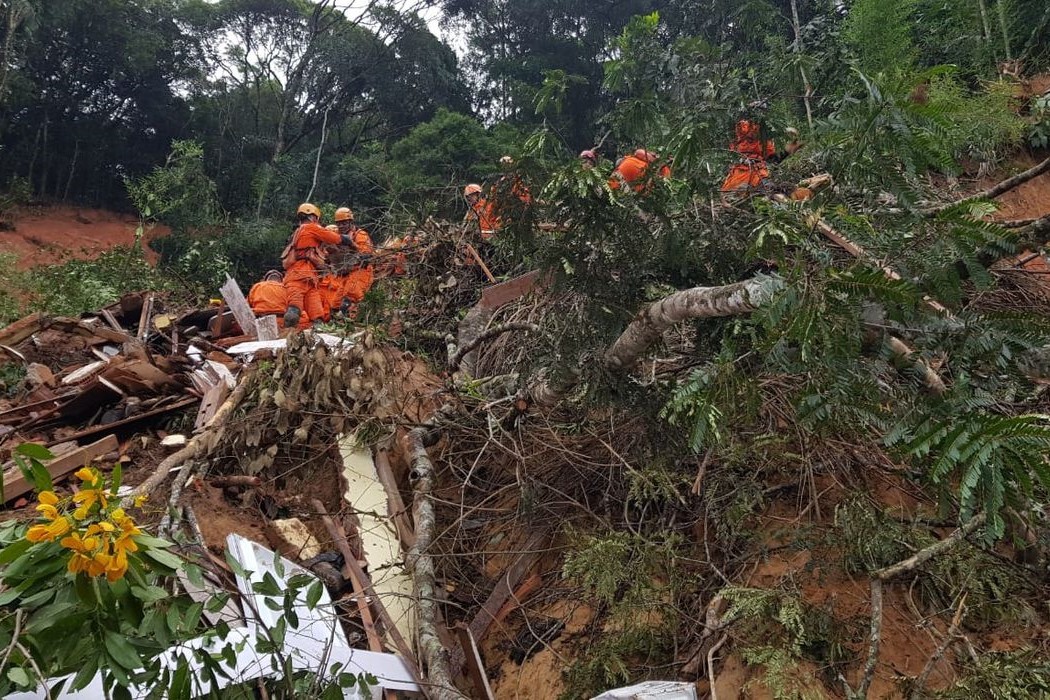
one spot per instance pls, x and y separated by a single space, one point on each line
254 346
319 638
651 690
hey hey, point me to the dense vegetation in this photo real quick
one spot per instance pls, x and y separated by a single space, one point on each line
218 118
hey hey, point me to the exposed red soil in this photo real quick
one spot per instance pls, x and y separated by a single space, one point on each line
55 234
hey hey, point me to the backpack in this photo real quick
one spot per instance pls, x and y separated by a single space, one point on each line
290 256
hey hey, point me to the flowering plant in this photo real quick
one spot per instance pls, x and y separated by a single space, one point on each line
84 588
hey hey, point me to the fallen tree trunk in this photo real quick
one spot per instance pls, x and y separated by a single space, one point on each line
699 302
432 652
994 191
199 445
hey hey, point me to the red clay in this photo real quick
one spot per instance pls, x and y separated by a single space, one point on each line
54 234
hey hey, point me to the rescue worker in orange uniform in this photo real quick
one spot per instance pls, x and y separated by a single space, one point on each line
333 279
481 211
302 276
361 275
633 168
269 297
754 151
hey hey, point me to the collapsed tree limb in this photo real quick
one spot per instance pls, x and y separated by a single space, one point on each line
488 334
923 555
198 446
432 652
994 191
879 576
905 358
699 302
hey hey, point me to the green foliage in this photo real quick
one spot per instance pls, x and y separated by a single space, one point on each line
1039 128
880 31
996 460
638 580
11 376
178 194
13 284
1013 675
779 630
78 286
869 539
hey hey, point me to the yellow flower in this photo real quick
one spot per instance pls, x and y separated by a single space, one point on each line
87 475
50 532
83 545
85 499
48 501
116 566
140 500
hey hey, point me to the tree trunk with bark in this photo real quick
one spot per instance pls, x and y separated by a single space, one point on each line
699 302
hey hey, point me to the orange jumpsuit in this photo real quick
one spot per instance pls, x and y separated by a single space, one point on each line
302 278
360 279
631 169
750 173
485 214
268 297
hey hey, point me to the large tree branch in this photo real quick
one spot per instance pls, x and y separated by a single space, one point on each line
432 652
994 191
699 302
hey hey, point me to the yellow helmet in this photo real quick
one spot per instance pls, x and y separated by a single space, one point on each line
344 214
309 209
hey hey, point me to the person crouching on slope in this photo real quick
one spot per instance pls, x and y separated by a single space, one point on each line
633 169
361 275
303 260
269 297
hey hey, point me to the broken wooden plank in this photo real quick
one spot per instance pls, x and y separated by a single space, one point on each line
144 318
234 298
109 318
85 372
15 483
213 398
341 543
499 294
22 329
353 571
479 626
475 667
109 427
395 505
267 327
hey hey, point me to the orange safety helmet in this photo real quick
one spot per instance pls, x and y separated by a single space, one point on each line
273 276
344 214
746 128
471 189
308 209
647 156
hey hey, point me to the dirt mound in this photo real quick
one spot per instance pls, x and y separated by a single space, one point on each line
54 234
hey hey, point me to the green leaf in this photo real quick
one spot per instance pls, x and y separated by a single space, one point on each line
35 451
150 594
13 551
18 676
116 478
313 594
268 586
86 672
217 602
164 558
121 651
152 542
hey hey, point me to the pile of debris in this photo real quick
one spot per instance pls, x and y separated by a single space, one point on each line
91 383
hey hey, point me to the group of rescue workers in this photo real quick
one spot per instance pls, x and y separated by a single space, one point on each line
328 269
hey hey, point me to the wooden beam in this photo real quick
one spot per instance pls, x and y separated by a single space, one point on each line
267 327
475 667
87 432
395 505
15 483
479 626
22 329
234 298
